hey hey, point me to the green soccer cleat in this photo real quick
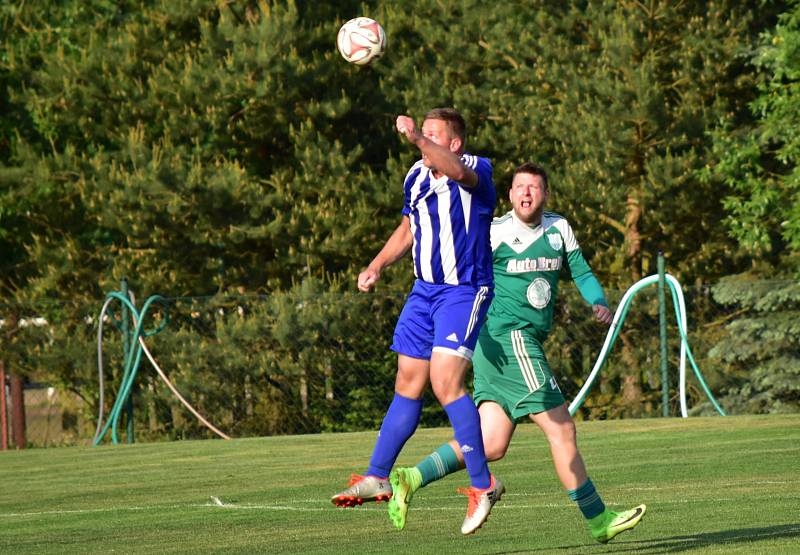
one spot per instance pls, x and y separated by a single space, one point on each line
405 481
608 524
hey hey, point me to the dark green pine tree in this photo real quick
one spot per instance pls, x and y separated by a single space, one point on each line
189 147
760 164
760 351
615 99
215 148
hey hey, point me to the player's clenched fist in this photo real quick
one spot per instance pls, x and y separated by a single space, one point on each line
406 126
367 279
602 314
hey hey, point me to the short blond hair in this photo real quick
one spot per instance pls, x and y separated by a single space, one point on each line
455 121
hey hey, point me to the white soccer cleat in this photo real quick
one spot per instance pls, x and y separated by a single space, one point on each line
480 505
361 489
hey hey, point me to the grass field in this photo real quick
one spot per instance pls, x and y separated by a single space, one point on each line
712 485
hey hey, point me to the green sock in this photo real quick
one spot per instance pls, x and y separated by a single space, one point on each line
439 464
588 500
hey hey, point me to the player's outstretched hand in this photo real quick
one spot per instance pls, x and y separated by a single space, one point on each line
602 314
406 126
367 279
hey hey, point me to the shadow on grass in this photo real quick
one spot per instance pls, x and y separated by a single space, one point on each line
677 544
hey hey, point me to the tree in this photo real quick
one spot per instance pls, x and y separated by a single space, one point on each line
615 98
761 351
202 148
195 148
760 162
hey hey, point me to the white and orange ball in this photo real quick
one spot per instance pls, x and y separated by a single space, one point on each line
361 40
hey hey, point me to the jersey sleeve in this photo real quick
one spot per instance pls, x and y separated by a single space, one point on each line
483 168
590 288
408 182
499 230
579 269
570 243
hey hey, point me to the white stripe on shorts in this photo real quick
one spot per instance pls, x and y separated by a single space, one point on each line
473 317
524 361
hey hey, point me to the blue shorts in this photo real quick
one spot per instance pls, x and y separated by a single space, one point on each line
441 318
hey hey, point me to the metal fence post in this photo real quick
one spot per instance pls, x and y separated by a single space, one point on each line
3 414
662 325
18 411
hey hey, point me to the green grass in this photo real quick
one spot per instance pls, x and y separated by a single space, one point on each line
712 485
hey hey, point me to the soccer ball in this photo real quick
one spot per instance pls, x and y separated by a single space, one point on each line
361 40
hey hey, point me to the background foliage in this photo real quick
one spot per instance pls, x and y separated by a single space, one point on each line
219 149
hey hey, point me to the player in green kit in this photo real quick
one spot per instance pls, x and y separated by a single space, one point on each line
513 380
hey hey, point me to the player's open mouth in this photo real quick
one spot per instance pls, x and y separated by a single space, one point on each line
526 204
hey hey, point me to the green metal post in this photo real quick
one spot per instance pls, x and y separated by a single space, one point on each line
126 338
662 325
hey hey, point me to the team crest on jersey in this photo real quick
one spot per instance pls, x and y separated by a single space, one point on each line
539 293
555 241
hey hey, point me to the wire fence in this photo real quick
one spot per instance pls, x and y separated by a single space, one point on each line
51 417
317 360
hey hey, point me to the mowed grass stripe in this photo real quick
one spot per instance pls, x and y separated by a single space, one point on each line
712 485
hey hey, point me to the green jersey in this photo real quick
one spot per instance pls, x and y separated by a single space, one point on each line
527 263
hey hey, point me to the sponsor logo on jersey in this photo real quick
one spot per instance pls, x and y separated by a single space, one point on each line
452 337
539 293
516 241
540 264
555 241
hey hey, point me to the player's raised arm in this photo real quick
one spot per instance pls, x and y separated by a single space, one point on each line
396 246
441 147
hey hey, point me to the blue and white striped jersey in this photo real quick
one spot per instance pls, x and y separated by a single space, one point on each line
450 224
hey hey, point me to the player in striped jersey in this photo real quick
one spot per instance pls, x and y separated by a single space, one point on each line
513 380
449 201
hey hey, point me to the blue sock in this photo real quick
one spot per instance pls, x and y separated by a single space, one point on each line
398 425
588 500
467 427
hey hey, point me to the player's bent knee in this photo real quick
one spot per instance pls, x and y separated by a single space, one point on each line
448 390
410 382
495 452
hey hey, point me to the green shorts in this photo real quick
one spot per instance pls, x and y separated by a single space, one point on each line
511 370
